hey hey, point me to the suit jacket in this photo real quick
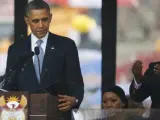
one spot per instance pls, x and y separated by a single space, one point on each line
60 74
150 87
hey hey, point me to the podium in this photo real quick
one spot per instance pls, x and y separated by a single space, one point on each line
25 106
43 107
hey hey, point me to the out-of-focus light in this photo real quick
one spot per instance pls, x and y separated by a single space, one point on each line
83 23
157 45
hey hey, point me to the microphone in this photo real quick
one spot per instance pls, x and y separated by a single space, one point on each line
36 50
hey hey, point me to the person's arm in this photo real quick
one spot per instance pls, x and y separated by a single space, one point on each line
73 75
140 93
139 88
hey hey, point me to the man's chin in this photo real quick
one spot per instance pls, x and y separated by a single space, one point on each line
41 35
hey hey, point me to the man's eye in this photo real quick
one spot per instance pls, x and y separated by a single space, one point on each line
35 21
45 19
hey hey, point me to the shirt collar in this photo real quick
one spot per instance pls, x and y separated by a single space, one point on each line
34 39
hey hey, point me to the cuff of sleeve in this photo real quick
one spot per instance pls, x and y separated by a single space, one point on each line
136 85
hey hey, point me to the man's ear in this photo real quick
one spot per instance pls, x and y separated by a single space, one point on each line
26 20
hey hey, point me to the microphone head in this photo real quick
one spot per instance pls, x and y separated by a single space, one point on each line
36 50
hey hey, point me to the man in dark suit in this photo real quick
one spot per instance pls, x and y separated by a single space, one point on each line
59 67
146 85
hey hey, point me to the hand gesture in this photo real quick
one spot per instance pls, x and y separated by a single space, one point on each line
137 70
157 69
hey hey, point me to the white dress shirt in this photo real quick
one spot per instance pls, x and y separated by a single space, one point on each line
34 44
136 85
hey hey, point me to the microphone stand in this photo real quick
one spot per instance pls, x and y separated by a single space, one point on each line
7 78
39 67
11 74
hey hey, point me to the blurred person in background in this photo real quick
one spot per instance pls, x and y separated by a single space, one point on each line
147 84
114 98
5 43
115 92
115 103
61 54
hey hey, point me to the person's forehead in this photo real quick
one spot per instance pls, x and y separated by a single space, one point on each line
39 12
110 94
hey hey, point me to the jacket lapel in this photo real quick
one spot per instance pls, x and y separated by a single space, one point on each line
49 54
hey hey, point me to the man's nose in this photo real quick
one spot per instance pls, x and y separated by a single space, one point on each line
41 24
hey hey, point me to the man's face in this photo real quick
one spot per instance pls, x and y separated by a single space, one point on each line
39 21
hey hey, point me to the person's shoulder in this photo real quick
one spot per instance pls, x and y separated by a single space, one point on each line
62 39
19 43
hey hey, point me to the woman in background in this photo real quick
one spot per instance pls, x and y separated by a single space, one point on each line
114 98
115 103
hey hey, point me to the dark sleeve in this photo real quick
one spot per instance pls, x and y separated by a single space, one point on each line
140 94
11 59
7 65
73 73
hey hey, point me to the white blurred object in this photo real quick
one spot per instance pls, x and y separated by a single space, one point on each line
147 103
96 34
74 35
85 3
87 55
3 61
3 90
89 114
7 11
78 115
146 114
135 3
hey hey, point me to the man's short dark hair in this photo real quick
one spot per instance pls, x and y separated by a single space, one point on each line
35 5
